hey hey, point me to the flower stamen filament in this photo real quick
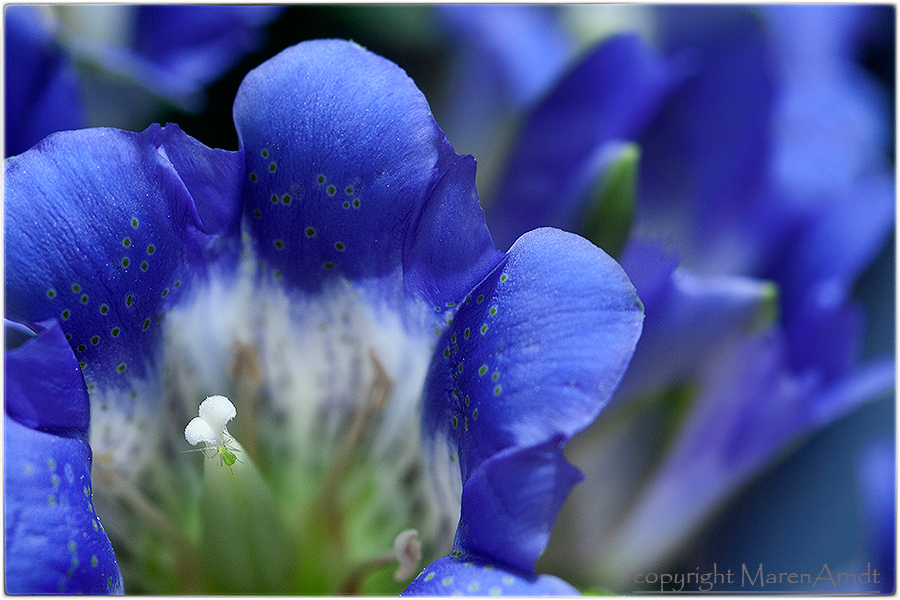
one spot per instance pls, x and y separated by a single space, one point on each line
328 502
407 553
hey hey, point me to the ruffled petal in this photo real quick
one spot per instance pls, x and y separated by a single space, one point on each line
611 95
53 401
348 173
106 229
511 500
54 542
535 350
466 575
42 95
532 355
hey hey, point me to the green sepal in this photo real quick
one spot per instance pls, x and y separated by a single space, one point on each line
769 311
246 545
610 207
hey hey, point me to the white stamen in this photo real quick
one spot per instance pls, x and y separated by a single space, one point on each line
209 427
198 431
217 411
408 552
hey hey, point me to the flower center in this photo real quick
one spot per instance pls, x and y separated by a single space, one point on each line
327 390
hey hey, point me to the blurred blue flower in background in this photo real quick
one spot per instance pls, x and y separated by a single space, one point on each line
759 192
390 368
117 65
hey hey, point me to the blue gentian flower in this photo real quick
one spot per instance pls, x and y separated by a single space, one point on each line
390 368
113 65
743 245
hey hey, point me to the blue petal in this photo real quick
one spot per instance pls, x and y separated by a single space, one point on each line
105 230
198 44
557 319
42 95
349 175
837 242
610 96
511 500
827 341
532 355
504 57
53 539
711 140
688 317
520 48
467 575
47 398
819 36
172 51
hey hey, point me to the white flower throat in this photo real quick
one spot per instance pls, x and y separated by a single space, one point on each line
327 393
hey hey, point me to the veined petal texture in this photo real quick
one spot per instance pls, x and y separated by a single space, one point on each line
105 229
349 176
